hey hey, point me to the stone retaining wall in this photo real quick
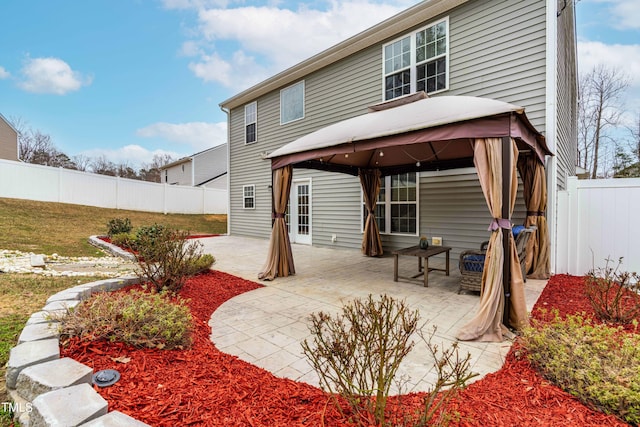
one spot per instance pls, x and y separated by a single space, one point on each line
48 390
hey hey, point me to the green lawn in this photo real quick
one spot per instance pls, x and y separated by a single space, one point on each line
63 229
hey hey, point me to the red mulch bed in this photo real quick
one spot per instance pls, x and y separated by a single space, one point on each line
205 387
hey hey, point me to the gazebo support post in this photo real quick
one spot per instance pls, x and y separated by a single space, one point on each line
506 201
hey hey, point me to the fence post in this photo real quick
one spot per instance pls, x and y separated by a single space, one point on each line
573 225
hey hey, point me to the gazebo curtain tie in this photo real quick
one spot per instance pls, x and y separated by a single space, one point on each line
499 223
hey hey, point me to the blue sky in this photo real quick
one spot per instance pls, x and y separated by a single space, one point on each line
132 78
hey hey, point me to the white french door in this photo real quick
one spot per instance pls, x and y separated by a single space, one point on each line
299 212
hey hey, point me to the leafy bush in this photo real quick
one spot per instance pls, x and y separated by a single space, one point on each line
598 364
137 318
118 226
167 259
149 233
124 240
357 354
614 295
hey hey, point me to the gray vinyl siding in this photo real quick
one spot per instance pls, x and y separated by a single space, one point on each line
8 141
566 137
210 164
179 174
497 51
453 207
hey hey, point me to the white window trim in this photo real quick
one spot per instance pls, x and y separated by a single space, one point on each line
413 64
253 189
387 209
254 103
302 82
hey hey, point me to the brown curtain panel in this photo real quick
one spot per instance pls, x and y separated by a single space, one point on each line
535 196
279 259
487 325
370 181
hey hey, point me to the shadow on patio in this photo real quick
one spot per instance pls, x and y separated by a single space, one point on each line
266 326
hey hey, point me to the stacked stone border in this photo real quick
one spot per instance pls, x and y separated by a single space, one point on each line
112 249
50 391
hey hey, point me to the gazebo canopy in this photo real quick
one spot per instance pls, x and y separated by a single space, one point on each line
411 135
416 133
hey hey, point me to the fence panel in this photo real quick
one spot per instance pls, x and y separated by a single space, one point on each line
35 182
602 223
32 182
81 188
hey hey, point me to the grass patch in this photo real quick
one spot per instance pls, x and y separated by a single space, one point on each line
21 295
61 228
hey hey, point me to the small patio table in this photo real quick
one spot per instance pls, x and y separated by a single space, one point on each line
421 253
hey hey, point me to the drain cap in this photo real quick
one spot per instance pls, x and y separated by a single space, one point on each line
106 377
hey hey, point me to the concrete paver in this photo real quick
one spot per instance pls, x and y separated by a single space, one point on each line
266 326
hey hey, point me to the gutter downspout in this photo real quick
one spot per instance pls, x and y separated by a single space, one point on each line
228 113
551 108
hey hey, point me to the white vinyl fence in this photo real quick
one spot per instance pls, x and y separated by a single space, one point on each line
34 182
598 219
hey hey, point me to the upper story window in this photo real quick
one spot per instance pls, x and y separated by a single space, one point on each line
250 123
292 103
417 62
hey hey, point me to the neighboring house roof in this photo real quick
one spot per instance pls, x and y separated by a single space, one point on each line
210 179
404 20
189 158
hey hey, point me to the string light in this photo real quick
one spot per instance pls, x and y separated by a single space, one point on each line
418 164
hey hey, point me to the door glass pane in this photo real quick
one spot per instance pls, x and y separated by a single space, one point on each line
303 209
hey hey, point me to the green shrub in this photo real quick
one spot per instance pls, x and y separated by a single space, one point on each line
167 258
149 233
598 364
357 353
137 318
614 295
118 226
124 240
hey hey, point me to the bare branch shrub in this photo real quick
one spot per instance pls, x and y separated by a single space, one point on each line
358 352
614 295
167 258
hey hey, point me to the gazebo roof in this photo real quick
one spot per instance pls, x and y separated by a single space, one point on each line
408 135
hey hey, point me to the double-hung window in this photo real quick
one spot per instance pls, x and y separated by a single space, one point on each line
397 207
249 196
250 123
417 62
292 103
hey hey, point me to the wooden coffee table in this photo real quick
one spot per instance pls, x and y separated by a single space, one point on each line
421 253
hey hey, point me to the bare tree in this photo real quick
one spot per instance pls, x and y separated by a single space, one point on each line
123 170
635 138
101 165
82 162
151 171
601 91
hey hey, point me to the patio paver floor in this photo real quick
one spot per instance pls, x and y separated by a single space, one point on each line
266 326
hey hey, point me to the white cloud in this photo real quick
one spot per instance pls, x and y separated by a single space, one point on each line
626 13
196 135
4 74
275 37
626 57
51 75
132 155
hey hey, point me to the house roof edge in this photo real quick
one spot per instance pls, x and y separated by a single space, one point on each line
396 24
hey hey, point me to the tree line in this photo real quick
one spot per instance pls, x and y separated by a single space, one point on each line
607 146
38 148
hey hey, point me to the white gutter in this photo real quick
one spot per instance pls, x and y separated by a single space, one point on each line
227 112
551 108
